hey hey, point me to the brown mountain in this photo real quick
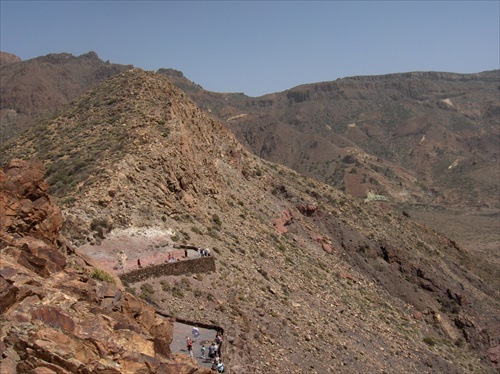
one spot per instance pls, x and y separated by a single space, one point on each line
308 279
426 142
437 128
34 88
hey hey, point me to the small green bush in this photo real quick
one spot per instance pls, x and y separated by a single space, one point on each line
99 222
216 220
165 286
177 292
147 288
68 200
429 341
149 299
102 275
196 230
185 283
460 342
130 290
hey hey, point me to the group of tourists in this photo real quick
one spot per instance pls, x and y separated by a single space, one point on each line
204 252
214 350
170 258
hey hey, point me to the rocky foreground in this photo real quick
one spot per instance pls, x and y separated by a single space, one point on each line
58 313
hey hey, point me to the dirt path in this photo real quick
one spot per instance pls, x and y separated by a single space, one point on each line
178 345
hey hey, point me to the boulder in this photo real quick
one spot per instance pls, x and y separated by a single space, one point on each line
285 219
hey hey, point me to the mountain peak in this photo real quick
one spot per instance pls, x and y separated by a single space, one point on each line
130 132
8 58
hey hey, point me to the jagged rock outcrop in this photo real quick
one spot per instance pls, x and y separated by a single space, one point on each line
28 209
59 315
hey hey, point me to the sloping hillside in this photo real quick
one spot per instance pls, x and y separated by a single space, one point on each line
58 312
308 279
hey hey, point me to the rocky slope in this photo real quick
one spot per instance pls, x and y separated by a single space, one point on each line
308 279
58 313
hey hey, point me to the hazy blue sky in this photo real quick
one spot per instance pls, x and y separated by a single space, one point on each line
259 47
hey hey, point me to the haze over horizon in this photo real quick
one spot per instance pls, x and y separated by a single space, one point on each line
262 47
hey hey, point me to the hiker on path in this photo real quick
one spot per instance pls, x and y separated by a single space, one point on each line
196 333
220 367
189 344
211 350
202 351
139 263
218 341
215 363
185 252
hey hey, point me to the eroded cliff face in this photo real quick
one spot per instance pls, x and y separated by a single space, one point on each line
58 314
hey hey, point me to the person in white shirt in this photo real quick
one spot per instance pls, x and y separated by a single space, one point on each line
196 333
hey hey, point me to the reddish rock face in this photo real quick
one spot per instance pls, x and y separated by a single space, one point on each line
282 221
27 206
54 317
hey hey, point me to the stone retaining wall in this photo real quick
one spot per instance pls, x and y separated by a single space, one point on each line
191 266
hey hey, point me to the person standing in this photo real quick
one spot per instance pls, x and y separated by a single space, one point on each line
196 333
189 344
203 351
218 341
211 350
